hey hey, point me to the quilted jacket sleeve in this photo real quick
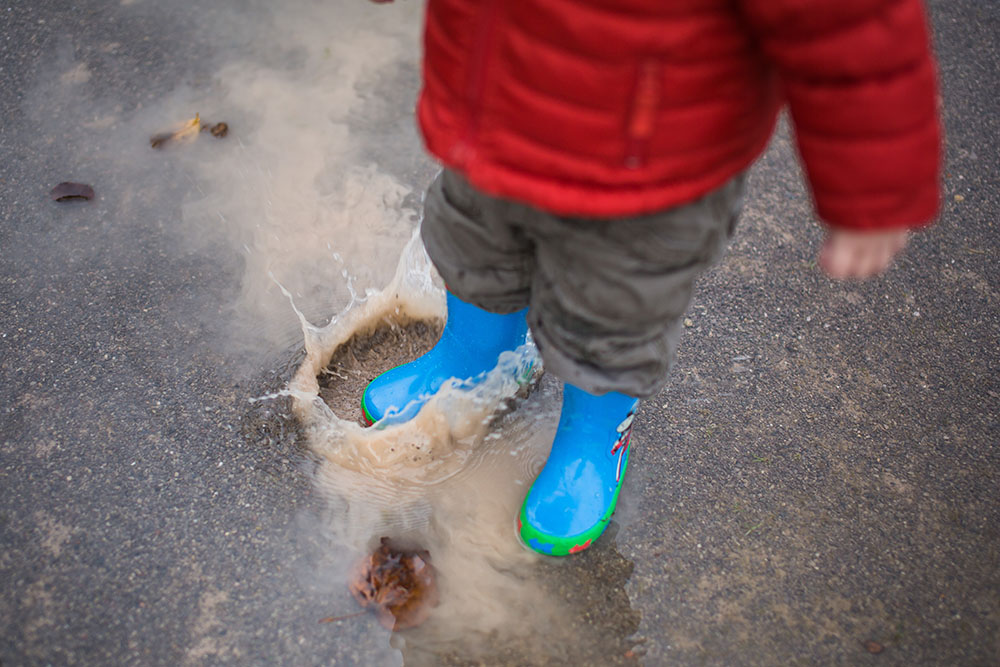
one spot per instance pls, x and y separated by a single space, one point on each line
860 82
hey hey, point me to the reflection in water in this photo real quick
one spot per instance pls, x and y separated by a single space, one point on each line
451 481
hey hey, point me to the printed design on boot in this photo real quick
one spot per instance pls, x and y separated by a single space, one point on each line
622 443
534 542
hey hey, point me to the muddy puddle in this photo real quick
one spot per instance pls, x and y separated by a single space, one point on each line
451 481
313 198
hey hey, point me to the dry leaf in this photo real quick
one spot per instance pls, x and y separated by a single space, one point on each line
188 132
398 584
71 192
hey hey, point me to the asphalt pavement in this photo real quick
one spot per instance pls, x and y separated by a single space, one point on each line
819 483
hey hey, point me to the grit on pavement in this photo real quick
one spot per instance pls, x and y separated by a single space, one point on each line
819 483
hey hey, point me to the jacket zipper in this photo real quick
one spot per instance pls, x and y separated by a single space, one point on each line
642 116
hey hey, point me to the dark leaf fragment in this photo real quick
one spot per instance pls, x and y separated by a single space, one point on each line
72 191
873 646
398 584
218 130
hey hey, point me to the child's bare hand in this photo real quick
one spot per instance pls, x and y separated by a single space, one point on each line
850 254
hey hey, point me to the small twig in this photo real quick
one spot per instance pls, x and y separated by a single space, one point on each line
335 373
334 619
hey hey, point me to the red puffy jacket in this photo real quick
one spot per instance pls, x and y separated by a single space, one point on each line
609 108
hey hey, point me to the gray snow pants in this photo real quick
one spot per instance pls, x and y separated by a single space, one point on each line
606 298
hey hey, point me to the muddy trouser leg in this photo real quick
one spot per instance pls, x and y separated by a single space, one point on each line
607 297
483 259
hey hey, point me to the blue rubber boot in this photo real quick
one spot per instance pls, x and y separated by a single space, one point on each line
573 498
470 344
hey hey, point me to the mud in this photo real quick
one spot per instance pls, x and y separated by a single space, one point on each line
457 497
450 481
367 355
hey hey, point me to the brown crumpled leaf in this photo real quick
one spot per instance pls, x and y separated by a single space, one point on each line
188 132
398 584
72 191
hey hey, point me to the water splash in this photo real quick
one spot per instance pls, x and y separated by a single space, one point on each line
451 479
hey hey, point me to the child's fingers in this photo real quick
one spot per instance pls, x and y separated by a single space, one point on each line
871 259
859 255
875 261
835 258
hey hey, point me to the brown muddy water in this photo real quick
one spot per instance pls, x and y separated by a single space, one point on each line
316 190
450 481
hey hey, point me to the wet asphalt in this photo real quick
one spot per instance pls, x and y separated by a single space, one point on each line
818 485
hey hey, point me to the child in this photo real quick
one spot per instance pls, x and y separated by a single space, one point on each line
594 155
